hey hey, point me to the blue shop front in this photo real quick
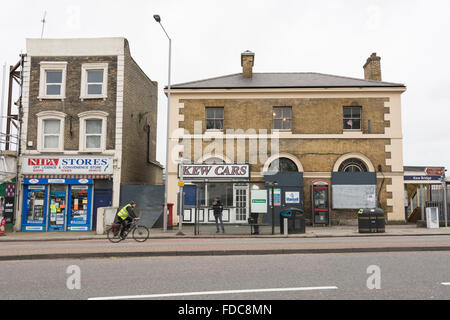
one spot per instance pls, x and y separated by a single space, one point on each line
58 203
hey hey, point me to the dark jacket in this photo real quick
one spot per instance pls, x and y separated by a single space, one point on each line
218 208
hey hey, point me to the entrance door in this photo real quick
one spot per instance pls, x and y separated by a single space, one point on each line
102 198
241 203
80 208
57 208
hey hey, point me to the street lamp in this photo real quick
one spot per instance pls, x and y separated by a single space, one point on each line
166 183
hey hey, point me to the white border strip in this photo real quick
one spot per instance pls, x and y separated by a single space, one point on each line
168 295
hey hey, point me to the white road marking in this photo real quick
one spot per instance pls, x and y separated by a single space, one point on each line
445 283
168 295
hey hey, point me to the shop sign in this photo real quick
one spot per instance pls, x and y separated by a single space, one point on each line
218 171
259 201
293 197
422 178
67 165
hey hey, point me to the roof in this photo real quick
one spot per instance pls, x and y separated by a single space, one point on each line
284 80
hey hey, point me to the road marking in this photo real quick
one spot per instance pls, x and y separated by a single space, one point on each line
445 283
168 295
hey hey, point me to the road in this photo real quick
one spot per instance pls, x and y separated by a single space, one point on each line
412 275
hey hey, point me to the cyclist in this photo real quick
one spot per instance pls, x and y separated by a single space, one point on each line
125 216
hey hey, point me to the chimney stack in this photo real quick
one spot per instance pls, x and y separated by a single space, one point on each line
372 68
247 63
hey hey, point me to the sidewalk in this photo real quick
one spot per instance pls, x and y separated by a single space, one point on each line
209 231
237 241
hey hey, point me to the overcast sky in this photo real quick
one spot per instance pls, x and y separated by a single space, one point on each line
334 37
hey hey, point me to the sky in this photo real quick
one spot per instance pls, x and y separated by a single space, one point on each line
328 36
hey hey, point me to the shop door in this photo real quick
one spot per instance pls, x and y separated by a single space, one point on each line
57 208
80 208
34 204
241 203
102 198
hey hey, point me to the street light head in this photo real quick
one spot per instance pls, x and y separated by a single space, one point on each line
157 18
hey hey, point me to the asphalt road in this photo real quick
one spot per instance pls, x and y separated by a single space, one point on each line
415 275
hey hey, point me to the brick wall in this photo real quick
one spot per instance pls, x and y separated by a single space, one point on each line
73 105
140 110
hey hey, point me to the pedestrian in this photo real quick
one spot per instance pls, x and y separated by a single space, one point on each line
218 210
125 217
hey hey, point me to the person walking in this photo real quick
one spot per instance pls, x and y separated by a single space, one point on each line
218 210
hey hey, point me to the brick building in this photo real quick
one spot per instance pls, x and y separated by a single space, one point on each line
338 139
89 127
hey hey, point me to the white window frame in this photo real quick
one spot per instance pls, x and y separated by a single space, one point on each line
52 66
84 77
92 115
50 115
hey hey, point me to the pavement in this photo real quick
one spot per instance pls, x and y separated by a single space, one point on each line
236 241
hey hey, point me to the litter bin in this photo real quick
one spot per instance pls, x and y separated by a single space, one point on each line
296 221
371 221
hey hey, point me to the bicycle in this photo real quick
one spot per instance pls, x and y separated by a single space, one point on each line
139 233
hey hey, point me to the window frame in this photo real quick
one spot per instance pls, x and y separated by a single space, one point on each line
50 115
282 108
85 68
52 66
344 119
92 115
214 119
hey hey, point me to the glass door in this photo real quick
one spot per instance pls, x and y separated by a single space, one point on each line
241 203
80 208
57 209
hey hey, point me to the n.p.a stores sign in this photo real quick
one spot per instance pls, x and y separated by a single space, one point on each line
214 171
67 165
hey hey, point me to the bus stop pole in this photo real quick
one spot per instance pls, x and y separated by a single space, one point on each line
444 185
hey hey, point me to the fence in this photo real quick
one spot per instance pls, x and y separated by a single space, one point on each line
437 200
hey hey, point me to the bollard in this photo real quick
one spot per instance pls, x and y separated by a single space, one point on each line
286 232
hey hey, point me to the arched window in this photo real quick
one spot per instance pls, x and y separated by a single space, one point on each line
353 165
283 165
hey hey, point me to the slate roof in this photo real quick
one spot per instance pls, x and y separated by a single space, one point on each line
284 80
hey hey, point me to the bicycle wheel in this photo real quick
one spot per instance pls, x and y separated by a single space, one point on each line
141 234
114 238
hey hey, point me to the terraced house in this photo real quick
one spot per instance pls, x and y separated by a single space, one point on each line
88 131
334 144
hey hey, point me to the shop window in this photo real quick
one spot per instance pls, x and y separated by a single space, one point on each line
283 165
79 205
35 205
353 165
352 118
223 191
94 80
282 118
52 80
214 118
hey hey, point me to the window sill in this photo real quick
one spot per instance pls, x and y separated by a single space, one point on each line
282 130
93 97
352 130
62 98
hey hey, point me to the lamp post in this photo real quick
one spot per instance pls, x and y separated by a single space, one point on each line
158 20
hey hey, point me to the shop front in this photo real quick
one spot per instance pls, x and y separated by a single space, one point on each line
205 182
56 202
57 205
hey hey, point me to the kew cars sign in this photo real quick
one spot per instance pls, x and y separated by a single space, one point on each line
215 171
67 165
